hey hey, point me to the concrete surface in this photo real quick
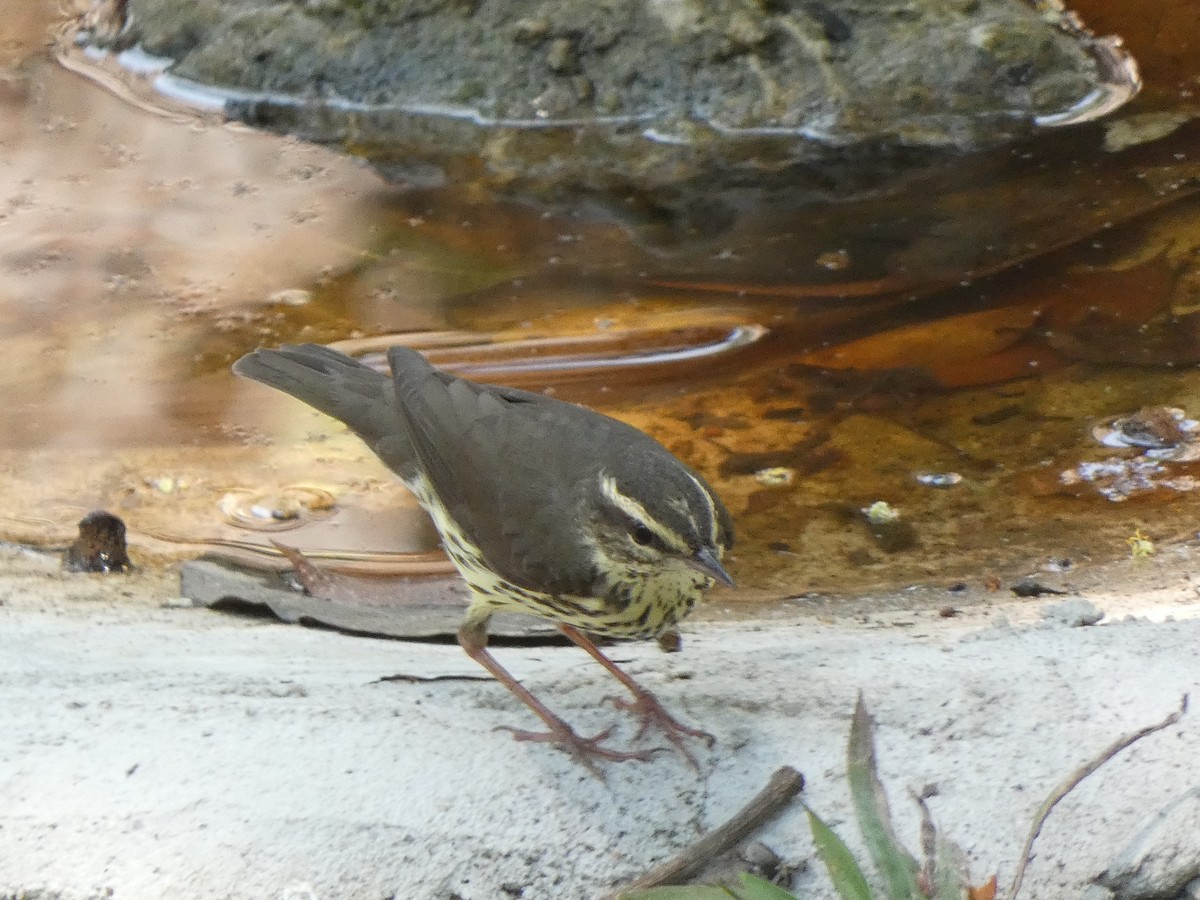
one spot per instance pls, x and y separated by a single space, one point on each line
151 750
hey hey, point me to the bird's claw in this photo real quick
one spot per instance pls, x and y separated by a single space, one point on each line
645 706
586 750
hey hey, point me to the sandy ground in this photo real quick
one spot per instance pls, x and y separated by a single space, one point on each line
153 750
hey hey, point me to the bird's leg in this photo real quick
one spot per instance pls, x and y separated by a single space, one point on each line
473 638
644 704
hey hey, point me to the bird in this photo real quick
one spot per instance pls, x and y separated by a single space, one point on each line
545 507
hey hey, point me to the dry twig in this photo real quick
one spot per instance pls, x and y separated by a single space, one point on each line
1073 781
783 785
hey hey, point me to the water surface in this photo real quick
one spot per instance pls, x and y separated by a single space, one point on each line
946 348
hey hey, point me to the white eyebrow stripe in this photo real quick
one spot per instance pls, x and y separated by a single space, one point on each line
638 513
713 527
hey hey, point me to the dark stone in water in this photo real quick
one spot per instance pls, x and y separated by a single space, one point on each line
100 546
644 106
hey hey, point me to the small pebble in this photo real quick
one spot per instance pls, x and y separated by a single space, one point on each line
939 479
670 642
561 56
775 476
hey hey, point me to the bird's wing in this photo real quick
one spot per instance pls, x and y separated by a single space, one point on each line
342 387
487 454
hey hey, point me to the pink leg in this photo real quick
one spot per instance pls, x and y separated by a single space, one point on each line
586 750
644 704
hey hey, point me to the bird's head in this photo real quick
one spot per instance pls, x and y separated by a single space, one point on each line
659 519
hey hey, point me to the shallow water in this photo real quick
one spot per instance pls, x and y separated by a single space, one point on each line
946 348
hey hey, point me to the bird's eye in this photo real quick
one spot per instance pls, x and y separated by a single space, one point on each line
642 535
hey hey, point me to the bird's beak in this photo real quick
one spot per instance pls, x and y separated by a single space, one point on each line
705 560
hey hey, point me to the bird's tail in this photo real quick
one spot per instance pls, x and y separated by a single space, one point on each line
329 381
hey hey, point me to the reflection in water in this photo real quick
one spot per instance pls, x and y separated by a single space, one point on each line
659 350
814 363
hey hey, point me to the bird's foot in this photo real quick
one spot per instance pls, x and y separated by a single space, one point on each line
646 707
588 751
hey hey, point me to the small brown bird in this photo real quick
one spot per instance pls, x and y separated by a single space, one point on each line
545 507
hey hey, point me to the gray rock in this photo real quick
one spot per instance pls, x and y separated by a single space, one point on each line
423 608
1164 855
634 94
1074 613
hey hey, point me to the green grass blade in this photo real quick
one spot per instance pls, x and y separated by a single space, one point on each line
848 879
950 878
680 892
897 866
